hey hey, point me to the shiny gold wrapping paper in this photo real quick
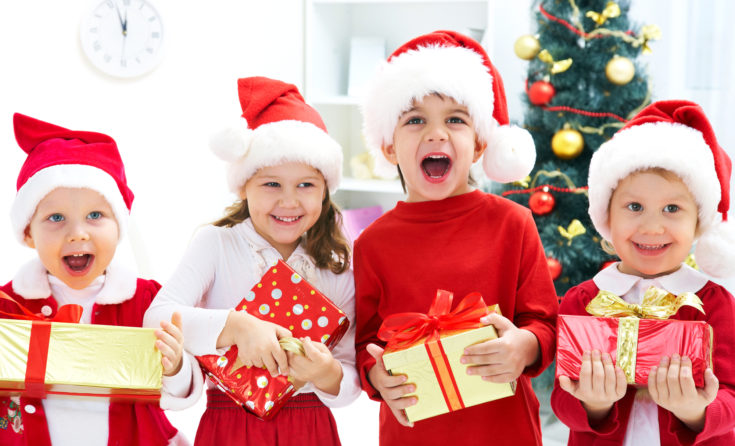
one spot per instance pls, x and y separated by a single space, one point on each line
84 359
415 363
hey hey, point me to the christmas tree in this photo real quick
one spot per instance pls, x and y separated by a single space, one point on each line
584 82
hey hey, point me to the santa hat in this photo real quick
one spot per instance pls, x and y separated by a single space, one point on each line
58 157
277 127
457 66
673 135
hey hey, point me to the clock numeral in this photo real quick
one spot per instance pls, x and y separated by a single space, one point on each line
137 59
97 45
155 35
99 16
108 58
123 63
150 19
93 30
150 50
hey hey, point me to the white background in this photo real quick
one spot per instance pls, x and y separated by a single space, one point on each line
161 121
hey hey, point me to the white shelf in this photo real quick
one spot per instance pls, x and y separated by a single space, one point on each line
335 100
378 186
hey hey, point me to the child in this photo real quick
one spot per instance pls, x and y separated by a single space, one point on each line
283 166
72 207
655 187
433 109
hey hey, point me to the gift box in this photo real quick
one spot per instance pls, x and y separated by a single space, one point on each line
636 336
283 297
427 349
42 357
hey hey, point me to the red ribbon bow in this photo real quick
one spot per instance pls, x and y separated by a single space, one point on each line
39 341
403 329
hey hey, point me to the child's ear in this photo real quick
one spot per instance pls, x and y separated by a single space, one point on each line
28 239
242 194
390 154
479 150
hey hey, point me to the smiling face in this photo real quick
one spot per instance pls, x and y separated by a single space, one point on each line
434 144
75 234
284 201
653 222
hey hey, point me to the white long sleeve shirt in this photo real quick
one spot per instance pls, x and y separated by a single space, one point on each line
218 269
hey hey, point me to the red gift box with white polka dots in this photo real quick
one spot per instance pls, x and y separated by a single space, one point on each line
282 296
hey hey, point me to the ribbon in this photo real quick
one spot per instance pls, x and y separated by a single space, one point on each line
39 341
400 330
649 32
611 11
558 66
656 304
574 229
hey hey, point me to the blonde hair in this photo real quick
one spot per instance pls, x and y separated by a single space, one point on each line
325 242
607 245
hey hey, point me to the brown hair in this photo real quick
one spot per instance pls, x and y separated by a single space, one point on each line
325 241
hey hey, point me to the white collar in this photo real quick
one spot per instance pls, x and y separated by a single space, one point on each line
685 279
31 282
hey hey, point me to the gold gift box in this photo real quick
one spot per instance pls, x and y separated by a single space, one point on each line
414 362
85 359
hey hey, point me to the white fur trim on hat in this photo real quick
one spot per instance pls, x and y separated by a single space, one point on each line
287 141
65 175
454 71
714 253
510 155
232 143
671 146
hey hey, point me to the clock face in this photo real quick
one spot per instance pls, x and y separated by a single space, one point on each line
123 38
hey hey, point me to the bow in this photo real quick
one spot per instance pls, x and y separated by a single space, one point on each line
611 11
66 313
656 304
574 229
403 329
558 66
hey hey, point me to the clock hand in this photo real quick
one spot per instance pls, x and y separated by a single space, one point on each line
123 24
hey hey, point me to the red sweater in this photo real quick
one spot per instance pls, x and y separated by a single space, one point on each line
130 424
719 307
471 242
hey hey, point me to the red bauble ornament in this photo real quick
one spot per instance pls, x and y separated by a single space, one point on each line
554 267
541 93
608 263
541 202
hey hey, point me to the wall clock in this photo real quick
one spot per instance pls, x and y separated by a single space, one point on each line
123 38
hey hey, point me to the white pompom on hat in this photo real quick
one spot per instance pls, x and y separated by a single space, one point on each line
676 136
277 126
454 65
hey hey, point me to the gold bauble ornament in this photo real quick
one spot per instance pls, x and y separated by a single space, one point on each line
527 47
620 70
567 144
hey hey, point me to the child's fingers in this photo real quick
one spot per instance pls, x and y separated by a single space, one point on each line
475 354
686 380
176 319
165 349
662 384
652 384
711 385
585 373
568 385
501 323
621 382
376 352
610 376
167 338
673 377
282 332
401 417
598 372
396 394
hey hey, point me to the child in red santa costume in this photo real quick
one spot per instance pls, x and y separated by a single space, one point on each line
659 184
72 207
283 166
435 107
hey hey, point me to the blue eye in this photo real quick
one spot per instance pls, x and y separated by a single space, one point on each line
94 215
671 208
635 207
272 184
455 120
414 121
56 218
306 184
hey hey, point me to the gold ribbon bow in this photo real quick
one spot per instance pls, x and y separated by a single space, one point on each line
611 11
558 66
649 32
656 304
574 229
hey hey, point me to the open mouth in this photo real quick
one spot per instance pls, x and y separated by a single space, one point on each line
650 249
286 219
436 166
78 263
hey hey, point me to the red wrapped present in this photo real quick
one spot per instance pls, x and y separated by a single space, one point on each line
282 296
635 336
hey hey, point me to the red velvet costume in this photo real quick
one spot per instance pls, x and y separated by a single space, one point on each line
471 242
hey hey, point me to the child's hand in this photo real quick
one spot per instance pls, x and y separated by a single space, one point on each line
257 342
392 388
170 343
503 359
316 366
671 386
600 384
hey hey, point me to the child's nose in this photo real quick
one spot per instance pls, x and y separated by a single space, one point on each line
288 200
77 232
436 133
652 224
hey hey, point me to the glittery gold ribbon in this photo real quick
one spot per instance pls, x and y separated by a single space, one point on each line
292 345
649 32
557 66
574 229
656 304
611 11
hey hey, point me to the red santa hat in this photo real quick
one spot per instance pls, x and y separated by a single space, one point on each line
58 157
673 135
277 127
457 66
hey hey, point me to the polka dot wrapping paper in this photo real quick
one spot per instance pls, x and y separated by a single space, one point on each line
283 297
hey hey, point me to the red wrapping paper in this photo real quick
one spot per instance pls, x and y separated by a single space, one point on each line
285 298
656 338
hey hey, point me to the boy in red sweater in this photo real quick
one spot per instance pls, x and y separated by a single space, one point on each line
660 183
436 107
